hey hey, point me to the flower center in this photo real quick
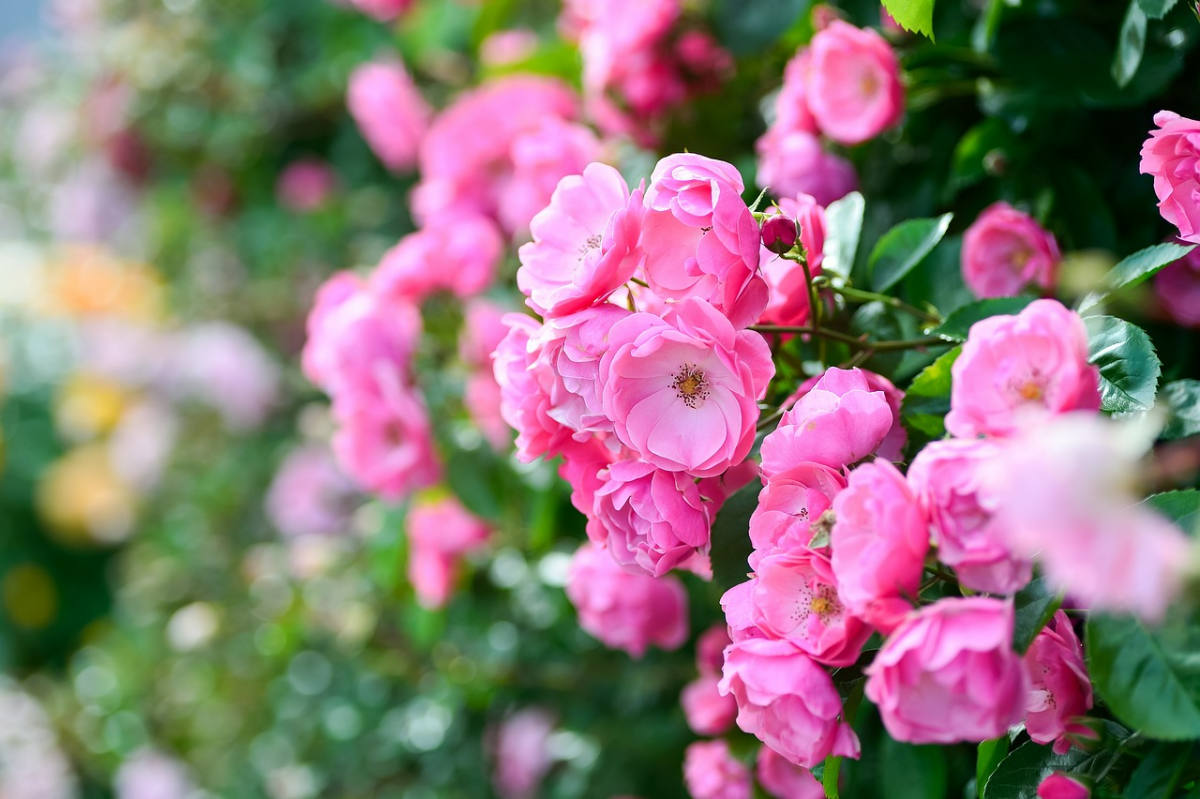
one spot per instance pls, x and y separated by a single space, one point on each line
691 385
593 243
1031 391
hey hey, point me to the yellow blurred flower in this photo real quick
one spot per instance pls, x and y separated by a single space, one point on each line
89 406
82 499
89 280
30 598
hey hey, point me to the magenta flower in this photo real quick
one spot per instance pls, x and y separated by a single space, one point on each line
305 185
439 534
458 254
707 710
783 780
793 162
789 504
690 187
711 772
1004 250
383 10
1172 156
1178 289
390 112
525 391
1062 786
853 84
1060 690
541 157
521 757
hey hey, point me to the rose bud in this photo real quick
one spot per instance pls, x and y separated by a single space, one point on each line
780 234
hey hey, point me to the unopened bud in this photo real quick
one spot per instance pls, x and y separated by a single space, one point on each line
780 234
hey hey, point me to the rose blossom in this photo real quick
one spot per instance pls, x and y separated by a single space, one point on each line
711 772
946 476
309 494
788 506
383 10
482 331
1062 786
789 296
439 533
525 391
791 104
948 674
540 158
458 254
1004 250
853 84
707 710
1172 156
582 464
389 111
147 774
879 541
305 185
1178 289
689 186
682 390
787 701
626 611
710 649
521 757
793 162
1060 690
783 780
1016 368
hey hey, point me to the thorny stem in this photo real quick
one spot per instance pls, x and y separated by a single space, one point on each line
861 343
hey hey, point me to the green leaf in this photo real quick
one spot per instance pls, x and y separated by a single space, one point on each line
843 226
1156 9
990 755
914 772
473 477
1135 269
1019 774
750 27
731 538
903 247
913 15
1159 773
1181 507
958 324
971 155
1129 367
1034 606
1150 680
1131 44
1181 399
927 400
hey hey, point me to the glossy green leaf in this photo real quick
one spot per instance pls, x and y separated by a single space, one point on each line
927 400
1158 775
1131 44
1135 269
731 538
1156 9
903 247
913 15
958 324
843 226
1019 774
987 760
1181 400
1035 605
1181 507
1129 366
915 772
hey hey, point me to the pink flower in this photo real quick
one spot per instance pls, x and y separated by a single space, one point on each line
793 162
389 111
305 185
615 32
521 757
310 495
879 541
146 774
525 391
1061 690
1016 368
791 104
568 350
383 10
789 504
707 710
582 466
433 575
853 84
711 772
626 611
690 186
787 701
949 674
458 254
508 47
1172 156
584 243
682 390
482 399
483 330
1178 289
947 477
223 366
541 157
710 649
439 533
1061 786
783 780
1004 250
839 421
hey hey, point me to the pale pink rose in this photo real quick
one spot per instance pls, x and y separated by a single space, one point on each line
147 774
1014 369
1060 690
521 757
582 465
949 674
707 711
525 391
1062 786
541 157
389 111
738 606
838 422
305 185
482 399
793 162
689 186
787 701
783 780
789 504
853 84
1004 250
613 32
383 10
433 575
439 534
947 477
224 366
710 771
458 254
682 390
309 494
482 331
1172 156
507 47
710 649
584 243
879 541
791 104
626 611
1178 289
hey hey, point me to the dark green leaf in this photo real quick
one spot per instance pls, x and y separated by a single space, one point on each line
927 400
472 476
1131 43
977 146
1035 605
750 27
903 247
1158 775
1019 774
1156 9
1129 367
914 772
987 759
1181 507
731 538
1135 269
843 226
913 15
958 324
1182 402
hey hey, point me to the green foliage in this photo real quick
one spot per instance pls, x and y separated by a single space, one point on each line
1020 773
1034 606
1161 772
843 224
927 401
958 324
913 15
1181 400
1135 269
1129 366
731 538
991 754
904 247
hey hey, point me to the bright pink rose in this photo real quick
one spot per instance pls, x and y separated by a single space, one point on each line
458 254
483 330
682 390
879 541
1172 156
1004 250
309 494
791 104
793 162
707 710
584 243
541 157
626 611
582 464
1061 786
710 649
789 504
1060 690
783 780
840 421
1178 289
689 186
446 526
305 185
853 84
787 701
521 757
947 477
383 10
949 674
525 391
390 112
711 772
1016 368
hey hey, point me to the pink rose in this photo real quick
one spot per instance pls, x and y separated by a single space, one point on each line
708 712
789 504
309 494
1178 289
305 185
787 701
223 366
584 243
1172 156
389 111
1016 368
710 649
783 780
626 611
853 84
947 477
483 330
949 674
583 463
439 533
711 772
525 391
689 186
1061 786
433 575
1060 689
683 390
879 541
508 47
791 104
793 162
457 254
541 157
840 421
1004 250
482 399
383 10
521 758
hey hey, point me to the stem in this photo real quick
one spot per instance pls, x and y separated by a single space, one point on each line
833 335
833 763
814 308
894 302
766 421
